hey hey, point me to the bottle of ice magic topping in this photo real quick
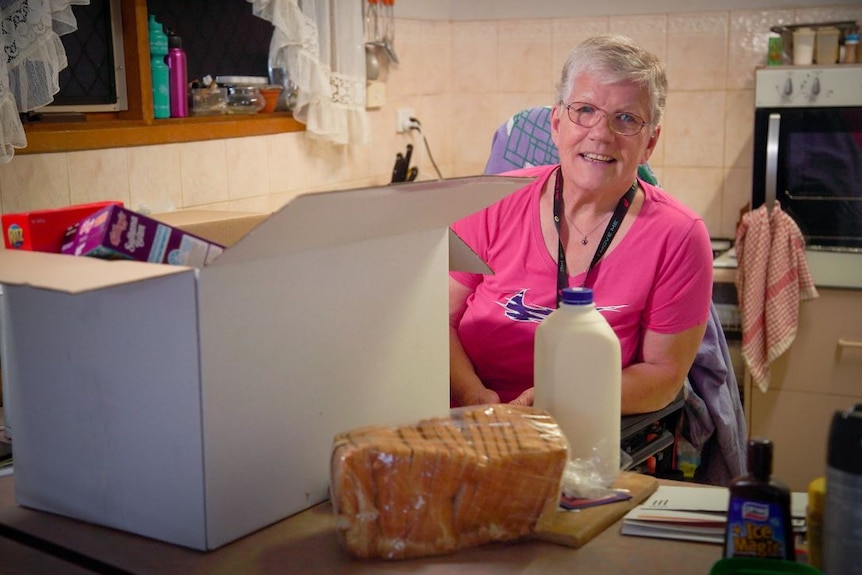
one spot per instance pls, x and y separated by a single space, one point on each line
758 513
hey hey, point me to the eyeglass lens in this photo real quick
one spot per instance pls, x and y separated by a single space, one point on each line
586 115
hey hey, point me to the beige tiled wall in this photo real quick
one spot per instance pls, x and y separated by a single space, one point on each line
462 79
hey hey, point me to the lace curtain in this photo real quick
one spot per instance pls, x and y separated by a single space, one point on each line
31 62
321 45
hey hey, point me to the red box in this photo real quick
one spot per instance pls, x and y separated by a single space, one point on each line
44 230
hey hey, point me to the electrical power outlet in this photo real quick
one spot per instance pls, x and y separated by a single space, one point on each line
403 119
375 95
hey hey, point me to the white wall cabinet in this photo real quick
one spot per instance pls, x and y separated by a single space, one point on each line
820 374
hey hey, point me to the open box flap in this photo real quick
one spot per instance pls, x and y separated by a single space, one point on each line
462 258
73 274
312 220
222 227
326 219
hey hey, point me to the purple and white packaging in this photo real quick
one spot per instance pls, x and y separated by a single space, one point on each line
119 233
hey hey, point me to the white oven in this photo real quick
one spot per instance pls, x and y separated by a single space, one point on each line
808 157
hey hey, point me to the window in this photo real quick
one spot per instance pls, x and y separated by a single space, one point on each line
136 124
94 80
220 37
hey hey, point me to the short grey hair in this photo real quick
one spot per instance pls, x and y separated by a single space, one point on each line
615 58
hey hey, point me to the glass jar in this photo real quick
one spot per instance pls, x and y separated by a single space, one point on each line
243 93
244 100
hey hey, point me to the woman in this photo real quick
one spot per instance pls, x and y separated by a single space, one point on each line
587 221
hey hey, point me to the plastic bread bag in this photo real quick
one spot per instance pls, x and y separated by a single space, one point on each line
484 474
585 479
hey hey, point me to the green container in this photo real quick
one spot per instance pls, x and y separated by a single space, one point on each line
754 566
159 69
775 54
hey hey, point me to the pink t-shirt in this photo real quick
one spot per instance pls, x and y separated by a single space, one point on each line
658 278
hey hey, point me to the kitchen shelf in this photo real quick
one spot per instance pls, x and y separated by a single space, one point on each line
68 137
137 126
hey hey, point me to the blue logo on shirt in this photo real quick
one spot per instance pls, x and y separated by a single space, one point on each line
517 310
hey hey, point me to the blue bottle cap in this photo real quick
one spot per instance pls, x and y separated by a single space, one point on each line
577 296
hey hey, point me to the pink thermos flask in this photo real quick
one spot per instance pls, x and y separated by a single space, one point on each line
178 77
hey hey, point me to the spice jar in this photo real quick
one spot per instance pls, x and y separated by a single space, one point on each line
851 49
775 54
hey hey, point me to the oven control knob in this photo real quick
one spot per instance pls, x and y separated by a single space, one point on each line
788 87
815 86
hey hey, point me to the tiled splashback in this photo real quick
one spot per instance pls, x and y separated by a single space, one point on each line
462 79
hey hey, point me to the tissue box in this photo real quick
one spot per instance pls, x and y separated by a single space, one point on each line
115 232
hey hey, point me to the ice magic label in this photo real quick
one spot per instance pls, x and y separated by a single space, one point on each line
755 529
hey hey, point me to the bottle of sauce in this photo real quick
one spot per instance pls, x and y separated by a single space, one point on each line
758 514
577 379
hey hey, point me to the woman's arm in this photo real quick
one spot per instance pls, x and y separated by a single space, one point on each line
465 387
656 381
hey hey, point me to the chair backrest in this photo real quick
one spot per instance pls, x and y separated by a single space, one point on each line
524 140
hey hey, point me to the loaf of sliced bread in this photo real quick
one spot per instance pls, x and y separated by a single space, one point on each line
484 474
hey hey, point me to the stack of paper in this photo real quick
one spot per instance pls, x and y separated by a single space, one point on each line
692 514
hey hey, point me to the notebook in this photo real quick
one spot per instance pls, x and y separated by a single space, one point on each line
693 514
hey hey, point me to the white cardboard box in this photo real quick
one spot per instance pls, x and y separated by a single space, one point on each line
198 405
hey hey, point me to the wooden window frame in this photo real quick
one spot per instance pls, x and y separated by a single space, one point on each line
137 126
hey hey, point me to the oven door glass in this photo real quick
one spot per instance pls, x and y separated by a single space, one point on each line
816 157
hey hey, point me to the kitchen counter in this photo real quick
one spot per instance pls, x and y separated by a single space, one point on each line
306 543
724 267
835 269
827 268
723 275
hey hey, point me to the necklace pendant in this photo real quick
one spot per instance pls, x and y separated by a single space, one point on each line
584 241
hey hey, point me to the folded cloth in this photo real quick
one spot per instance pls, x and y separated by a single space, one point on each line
771 281
714 421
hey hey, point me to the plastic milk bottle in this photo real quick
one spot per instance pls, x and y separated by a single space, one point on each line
577 376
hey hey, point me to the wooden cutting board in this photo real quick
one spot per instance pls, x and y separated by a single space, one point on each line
575 528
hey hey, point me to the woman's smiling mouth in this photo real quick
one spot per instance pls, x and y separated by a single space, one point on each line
597 157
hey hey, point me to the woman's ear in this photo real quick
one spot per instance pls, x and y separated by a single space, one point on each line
555 123
651 144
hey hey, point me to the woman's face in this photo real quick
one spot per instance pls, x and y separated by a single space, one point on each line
597 158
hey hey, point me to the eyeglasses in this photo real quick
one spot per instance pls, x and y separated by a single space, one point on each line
587 115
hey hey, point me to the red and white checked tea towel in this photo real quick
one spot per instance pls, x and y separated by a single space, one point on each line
771 281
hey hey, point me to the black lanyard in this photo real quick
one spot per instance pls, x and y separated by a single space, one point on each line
610 232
